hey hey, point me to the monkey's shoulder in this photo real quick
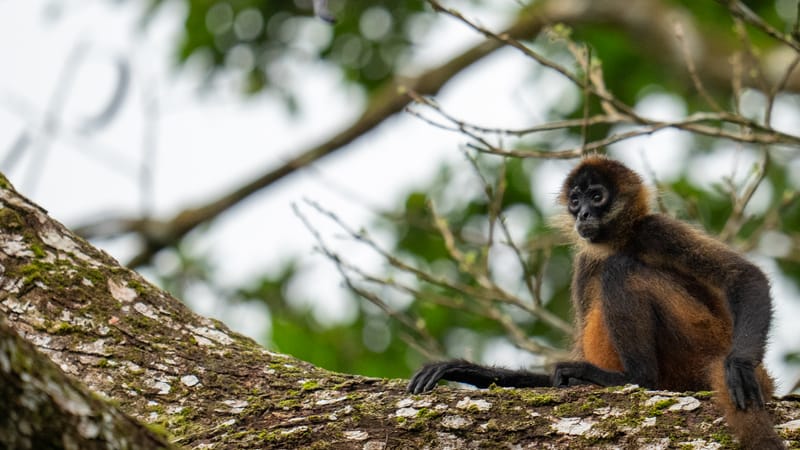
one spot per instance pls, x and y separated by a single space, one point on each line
665 243
661 242
661 228
651 234
662 236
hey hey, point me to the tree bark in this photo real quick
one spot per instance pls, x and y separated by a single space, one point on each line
44 408
149 357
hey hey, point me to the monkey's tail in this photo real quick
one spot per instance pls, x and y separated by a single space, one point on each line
753 427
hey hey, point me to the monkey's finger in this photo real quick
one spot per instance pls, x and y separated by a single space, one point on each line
576 382
749 386
426 378
434 378
760 397
421 381
733 378
560 379
412 384
737 394
755 398
417 381
555 378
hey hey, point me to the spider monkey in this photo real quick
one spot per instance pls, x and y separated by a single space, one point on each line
657 303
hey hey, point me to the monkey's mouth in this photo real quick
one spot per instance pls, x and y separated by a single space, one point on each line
588 230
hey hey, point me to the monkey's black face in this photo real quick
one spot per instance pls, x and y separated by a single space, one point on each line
588 200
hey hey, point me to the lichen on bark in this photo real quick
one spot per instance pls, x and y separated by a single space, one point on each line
205 386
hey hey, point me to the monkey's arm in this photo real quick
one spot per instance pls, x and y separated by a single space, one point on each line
480 376
629 320
749 300
746 289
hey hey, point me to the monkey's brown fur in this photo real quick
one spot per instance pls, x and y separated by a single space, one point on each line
656 302
696 311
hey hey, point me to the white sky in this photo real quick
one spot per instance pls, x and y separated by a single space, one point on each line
207 144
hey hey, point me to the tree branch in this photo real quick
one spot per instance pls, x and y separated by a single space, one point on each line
44 408
209 387
389 100
652 22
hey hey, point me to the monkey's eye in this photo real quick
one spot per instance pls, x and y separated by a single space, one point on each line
574 202
598 197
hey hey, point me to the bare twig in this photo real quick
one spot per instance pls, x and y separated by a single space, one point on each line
488 291
385 103
495 198
771 220
689 61
515 43
586 98
428 347
740 10
735 220
796 27
780 86
751 54
392 99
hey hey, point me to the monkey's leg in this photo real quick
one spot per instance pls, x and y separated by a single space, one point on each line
751 425
480 376
629 320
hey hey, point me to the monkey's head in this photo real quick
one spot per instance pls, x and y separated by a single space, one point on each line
604 198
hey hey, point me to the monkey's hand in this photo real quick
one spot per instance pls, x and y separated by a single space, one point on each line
571 374
743 387
426 378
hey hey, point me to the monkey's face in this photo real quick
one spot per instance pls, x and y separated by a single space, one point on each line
588 200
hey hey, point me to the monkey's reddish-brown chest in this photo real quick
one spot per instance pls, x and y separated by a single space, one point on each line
596 342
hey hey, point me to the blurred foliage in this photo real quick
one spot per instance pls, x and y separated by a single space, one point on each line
346 347
363 346
258 38
370 40
372 344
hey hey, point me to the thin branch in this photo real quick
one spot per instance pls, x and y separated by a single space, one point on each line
749 50
489 291
429 347
740 10
586 98
771 220
796 27
514 42
549 126
496 214
494 196
389 100
779 87
450 242
392 99
415 325
735 220
689 61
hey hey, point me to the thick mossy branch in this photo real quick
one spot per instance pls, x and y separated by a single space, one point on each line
44 408
207 387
